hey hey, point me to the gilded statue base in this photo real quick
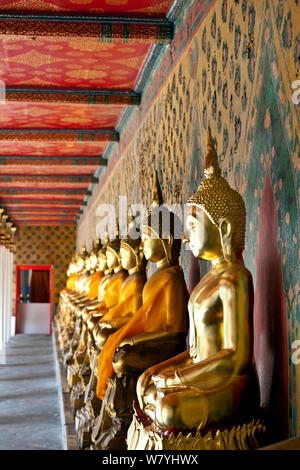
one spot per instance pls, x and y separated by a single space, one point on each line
111 426
114 438
85 421
248 436
77 396
84 438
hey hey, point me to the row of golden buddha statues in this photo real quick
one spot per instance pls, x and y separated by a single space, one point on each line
7 231
135 384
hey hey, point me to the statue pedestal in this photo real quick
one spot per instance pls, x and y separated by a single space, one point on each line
110 430
249 436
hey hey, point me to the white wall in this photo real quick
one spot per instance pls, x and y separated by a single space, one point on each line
6 277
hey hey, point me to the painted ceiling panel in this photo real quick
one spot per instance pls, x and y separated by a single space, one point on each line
47 170
34 212
27 182
53 116
68 82
48 222
65 62
45 195
154 8
52 148
33 206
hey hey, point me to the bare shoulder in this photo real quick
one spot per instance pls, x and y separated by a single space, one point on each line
236 274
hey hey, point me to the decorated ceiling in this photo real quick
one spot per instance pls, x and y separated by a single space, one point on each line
68 71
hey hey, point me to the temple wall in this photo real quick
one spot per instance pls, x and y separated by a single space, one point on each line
231 66
45 245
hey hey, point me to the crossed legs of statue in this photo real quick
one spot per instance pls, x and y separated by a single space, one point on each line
203 406
85 417
129 362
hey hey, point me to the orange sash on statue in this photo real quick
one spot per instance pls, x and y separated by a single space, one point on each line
164 308
130 300
111 296
94 284
71 281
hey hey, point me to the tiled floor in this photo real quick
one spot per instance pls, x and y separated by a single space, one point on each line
29 409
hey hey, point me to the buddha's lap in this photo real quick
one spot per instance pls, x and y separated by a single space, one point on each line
134 360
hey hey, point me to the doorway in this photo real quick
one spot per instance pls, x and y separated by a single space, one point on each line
33 299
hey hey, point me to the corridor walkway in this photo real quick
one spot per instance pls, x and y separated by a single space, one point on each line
29 409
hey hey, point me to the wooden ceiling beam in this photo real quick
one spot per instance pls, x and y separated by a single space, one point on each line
5 178
29 210
46 218
48 190
46 161
59 135
103 29
7 202
71 96
43 222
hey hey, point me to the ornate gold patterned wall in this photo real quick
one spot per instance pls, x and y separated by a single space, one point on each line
231 66
46 245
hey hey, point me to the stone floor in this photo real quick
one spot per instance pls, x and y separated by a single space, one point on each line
29 408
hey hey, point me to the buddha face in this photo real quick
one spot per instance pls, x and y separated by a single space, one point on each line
80 264
152 246
112 258
203 236
87 264
102 262
93 261
127 256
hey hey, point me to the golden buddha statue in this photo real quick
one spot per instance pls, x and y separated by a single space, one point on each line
76 302
80 371
89 313
70 295
77 352
110 300
60 318
212 384
113 288
66 316
156 331
93 278
130 299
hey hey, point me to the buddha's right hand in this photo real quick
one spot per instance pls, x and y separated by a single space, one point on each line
143 383
167 378
104 325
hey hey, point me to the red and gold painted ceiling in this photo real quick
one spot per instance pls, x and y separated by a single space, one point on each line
68 70
146 8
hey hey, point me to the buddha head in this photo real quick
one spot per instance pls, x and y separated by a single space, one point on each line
216 219
94 255
3 222
131 251
72 266
87 264
102 260
159 229
113 252
81 257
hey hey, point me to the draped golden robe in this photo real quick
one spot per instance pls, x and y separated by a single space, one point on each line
130 299
164 309
112 292
71 281
94 284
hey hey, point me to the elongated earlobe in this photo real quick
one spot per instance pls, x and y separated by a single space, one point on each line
167 242
225 230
